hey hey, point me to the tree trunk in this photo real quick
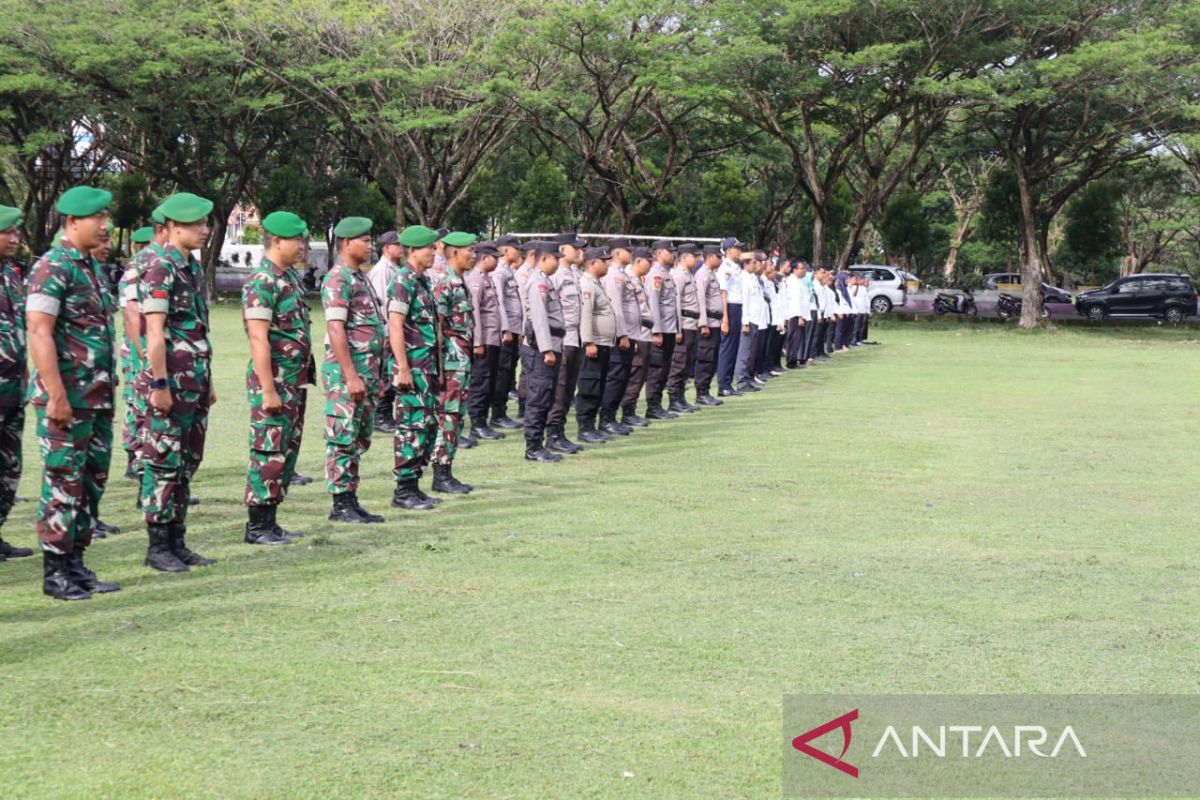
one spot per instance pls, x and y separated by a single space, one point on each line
210 255
1033 264
818 237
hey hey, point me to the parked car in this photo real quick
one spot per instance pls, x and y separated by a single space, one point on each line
888 288
1163 295
1050 294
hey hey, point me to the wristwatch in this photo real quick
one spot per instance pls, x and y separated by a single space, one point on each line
159 383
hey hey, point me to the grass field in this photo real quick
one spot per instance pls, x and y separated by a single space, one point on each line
963 509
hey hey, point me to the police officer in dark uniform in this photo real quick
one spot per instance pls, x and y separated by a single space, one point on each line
666 334
541 350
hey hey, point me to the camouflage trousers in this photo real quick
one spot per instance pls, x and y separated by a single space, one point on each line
134 403
75 471
274 445
348 429
416 427
12 425
452 403
172 448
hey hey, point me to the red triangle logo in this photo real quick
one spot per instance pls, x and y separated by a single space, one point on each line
801 743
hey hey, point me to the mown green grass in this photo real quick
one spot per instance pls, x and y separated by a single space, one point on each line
963 509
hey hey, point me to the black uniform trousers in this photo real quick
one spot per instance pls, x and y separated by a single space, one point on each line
564 391
539 391
727 358
593 374
657 367
706 360
639 365
484 371
680 360
795 341
506 370
620 362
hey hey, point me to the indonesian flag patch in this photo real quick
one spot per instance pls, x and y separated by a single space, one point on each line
159 294
657 282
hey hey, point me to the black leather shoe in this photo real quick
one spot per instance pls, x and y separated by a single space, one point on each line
592 436
444 482
485 433
468 441
385 425
300 480
176 532
408 497
728 393
159 554
104 528
84 578
629 418
56 580
504 423
749 387
660 414
535 452
615 428
709 400
8 551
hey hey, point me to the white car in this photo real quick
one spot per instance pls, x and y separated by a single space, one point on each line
888 288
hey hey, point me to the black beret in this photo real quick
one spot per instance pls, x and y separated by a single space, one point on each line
619 243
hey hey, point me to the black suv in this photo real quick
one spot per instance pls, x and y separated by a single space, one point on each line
1168 296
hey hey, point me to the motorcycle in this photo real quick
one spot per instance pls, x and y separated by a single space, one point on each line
1009 305
952 303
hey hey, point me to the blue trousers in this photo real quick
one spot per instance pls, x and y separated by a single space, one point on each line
727 355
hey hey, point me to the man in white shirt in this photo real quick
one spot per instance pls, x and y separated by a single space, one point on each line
729 279
753 311
798 310
380 277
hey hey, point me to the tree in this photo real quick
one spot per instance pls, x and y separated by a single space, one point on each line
1093 230
1075 90
904 227
1157 208
544 198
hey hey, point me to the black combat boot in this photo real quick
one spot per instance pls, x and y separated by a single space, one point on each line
503 423
609 424
56 580
677 405
557 440
8 551
629 417
409 497
159 554
102 529
468 440
84 578
367 516
444 482
261 527
707 399
659 413
299 480
176 531
535 451
589 434
344 510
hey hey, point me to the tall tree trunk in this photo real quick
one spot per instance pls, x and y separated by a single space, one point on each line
210 255
1033 268
818 237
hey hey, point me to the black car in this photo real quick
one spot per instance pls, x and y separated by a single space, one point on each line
1050 294
1169 296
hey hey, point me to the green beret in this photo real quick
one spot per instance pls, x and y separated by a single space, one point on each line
285 225
9 217
418 236
460 239
156 216
352 227
185 208
142 235
83 201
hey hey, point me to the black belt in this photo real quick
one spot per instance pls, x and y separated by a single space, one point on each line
716 315
691 314
647 323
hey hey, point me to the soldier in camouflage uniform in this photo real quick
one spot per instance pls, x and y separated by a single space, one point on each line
174 384
133 345
69 311
412 333
456 322
101 529
354 341
12 370
276 316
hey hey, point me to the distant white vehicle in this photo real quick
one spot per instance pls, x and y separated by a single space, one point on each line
888 288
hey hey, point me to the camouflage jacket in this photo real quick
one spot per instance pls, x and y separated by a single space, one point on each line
278 297
69 286
13 371
127 289
411 295
456 316
348 297
172 283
